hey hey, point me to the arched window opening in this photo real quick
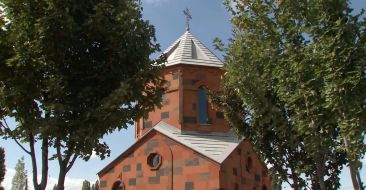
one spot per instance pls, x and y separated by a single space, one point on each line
249 164
264 187
202 106
118 185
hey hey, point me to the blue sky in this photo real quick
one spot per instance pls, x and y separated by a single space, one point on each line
210 20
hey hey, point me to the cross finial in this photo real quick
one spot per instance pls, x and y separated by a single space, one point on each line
188 18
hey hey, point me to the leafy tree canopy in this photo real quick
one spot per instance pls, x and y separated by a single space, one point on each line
86 185
295 85
73 72
19 181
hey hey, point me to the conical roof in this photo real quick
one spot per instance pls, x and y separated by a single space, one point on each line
188 50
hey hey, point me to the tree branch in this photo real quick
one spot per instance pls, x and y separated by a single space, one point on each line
10 132
71 163
58 149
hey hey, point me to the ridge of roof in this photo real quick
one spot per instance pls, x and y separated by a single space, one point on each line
188 50
214 145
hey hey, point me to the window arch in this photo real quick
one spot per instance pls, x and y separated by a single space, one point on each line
249 164
118 185
202 105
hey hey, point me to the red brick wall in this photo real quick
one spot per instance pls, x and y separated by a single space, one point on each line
170 104
236 174
193 78
181 168
180 102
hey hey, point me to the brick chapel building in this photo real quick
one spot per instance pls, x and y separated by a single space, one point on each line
187 144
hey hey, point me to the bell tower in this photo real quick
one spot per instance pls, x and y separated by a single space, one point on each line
191 70
187 143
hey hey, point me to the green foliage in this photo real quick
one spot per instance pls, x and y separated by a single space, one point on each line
95 186
2 165
74 72
295 85
19 181
86 185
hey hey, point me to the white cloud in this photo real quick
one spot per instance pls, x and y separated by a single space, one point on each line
93 156
8 177
70 183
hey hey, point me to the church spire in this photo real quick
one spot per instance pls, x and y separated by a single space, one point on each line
188 18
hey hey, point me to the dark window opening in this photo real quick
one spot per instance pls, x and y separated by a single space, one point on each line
220 115
118 185
154 160
202 106
235 172
249 164
236 186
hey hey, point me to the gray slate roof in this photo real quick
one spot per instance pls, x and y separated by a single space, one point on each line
188 50
214 145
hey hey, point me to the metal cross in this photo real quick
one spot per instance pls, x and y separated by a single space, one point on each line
188 17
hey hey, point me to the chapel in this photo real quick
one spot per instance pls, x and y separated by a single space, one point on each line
187 144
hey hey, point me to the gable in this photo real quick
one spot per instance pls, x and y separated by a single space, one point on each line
212 145
134 170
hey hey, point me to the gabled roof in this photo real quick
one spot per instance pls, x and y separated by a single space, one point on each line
188 50
213 145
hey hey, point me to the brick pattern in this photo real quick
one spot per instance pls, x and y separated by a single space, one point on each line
103 184
219 115
147 124
180 100
192 120
175 75
189 170
181 168
240 178
193 78
164 115
189 186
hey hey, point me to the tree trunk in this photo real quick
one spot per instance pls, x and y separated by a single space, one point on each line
44 179
353 170
359 180
320 172
65 161
61 178
42 185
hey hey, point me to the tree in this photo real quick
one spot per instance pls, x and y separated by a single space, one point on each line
77 70
95 186
55 187
297 71
2 165
86 185
19 181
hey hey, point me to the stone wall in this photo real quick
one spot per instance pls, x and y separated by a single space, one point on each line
244 170
180 169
